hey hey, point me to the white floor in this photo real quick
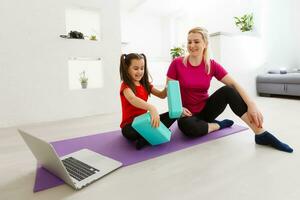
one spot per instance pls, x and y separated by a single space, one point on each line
228 168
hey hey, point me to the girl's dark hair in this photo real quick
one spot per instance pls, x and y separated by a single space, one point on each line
125 62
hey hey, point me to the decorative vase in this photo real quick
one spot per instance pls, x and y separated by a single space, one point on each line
84 85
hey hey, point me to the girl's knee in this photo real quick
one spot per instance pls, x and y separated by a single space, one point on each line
129 133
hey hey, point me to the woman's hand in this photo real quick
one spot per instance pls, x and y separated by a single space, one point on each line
255 115
186 112
154 117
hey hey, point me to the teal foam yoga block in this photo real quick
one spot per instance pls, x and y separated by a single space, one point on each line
174 99
155 136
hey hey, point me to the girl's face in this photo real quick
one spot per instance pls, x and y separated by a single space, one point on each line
136 70
196 44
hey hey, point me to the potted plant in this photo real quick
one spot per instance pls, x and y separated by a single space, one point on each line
83 79
177 51
245 22
93 37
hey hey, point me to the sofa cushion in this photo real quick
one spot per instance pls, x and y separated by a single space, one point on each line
278 71
289 78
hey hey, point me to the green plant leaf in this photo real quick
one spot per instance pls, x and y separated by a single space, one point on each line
245 22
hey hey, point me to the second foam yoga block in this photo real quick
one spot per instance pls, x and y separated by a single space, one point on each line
174 99
155 136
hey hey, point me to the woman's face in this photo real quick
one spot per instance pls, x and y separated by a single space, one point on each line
136 70
196 44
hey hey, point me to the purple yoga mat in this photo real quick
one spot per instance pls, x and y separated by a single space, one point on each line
114 145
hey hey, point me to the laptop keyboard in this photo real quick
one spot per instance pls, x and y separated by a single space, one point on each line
77 169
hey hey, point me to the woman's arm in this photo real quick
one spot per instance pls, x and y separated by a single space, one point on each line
229 81
253 112
140 103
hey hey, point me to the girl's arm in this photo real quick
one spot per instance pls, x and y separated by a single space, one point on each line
140 103
159 93
253 113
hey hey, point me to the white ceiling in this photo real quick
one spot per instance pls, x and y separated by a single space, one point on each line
175 7
154 7
128 5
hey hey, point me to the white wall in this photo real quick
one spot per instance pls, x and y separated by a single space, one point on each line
34 61
214 15
295 23
148 34
241 55
143 33
279 32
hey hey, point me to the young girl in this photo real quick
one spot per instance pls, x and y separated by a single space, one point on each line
134 92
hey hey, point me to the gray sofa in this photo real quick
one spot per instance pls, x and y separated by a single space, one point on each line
279 84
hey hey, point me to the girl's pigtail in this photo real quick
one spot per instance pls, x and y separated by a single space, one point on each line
146 68
145 79
122 66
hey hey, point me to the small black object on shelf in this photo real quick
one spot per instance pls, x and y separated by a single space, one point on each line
64 36
73 35
76 35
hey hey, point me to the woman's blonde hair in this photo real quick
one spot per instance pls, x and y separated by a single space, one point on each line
204 33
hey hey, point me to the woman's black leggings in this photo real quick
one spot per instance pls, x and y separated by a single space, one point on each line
197 125
131 134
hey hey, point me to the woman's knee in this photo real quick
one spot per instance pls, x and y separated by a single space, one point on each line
228 90
192 128
236 102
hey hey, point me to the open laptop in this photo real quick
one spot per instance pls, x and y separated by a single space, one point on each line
77 169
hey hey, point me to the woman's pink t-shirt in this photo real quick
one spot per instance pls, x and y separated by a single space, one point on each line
194 82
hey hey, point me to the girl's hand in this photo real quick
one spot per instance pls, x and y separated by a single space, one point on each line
154 117
186 112
255 115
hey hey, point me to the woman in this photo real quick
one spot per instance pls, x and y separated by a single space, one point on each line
194 73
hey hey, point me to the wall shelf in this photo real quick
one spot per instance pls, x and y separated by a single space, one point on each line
93 69
231 34
86 21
